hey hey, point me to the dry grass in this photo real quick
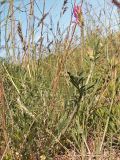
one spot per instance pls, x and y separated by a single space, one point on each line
65 105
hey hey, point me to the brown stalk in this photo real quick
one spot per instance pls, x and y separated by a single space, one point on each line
43 18
3 112
12 28
42 26
30 29
60 68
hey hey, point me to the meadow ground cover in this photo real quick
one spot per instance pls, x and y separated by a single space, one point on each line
59 94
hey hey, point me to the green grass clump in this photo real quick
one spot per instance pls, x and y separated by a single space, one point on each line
66 103
83 116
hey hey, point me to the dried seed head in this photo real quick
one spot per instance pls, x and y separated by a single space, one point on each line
116 3
64 7
19 29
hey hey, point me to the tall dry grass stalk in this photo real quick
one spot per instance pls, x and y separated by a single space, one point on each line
24 45
60 65
30 42
45 109
12 30
3 112
42 26
68 42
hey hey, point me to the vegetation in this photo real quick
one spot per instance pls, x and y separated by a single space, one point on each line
65 105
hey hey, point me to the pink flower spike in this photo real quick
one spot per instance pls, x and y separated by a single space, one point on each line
76 11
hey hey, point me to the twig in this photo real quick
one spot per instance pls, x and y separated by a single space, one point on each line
7 146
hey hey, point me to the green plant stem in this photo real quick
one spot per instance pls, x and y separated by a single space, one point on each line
110 109
90 73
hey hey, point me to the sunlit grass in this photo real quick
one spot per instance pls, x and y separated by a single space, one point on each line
59 105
